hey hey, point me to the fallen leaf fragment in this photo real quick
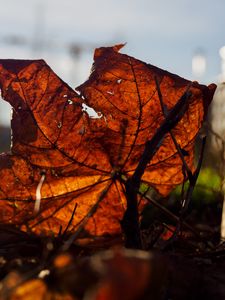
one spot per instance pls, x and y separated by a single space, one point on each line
30 290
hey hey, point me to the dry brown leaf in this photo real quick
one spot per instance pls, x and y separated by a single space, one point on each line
74 159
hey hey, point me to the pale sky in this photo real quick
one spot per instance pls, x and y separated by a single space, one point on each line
161 32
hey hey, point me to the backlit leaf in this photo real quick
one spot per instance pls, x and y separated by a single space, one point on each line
73 150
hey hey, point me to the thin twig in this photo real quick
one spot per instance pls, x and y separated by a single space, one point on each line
170 214
192 177
130 222
91 212
70 221
165 113
151 146
193 180
164 210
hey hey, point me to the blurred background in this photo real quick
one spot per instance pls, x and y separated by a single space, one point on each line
185 37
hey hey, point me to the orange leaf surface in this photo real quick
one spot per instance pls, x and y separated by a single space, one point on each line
71 149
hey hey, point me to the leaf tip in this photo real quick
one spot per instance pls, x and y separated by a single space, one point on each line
16 65
102 50
209 94
212 88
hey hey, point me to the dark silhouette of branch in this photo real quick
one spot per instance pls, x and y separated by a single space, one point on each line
192 177
165 113
130 222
